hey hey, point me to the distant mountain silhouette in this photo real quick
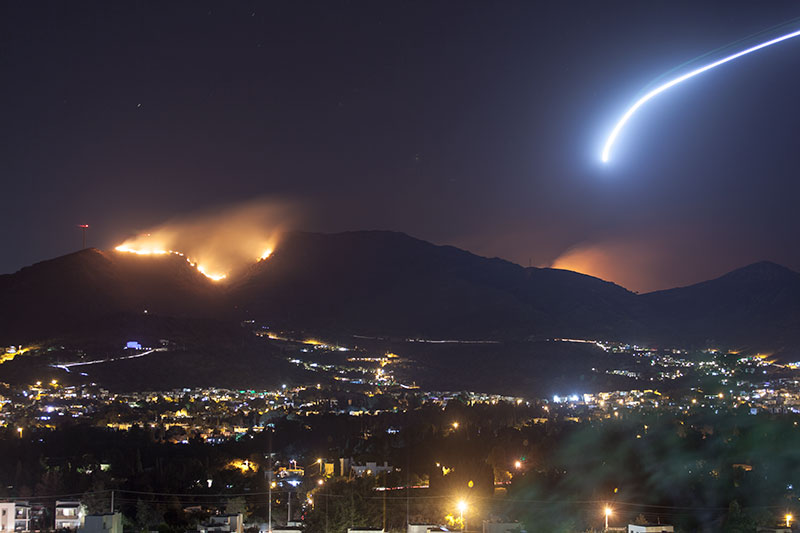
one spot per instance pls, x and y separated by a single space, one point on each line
71 293
754 307
387 283
381 282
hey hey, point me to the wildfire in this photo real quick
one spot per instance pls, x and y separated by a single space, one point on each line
145 251
218 242
215 277
158 251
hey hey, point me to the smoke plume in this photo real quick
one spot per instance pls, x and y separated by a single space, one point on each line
221 241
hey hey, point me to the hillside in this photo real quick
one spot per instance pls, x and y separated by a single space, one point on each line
390 284
67 295
755 307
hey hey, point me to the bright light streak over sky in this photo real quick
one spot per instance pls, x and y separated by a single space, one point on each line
606 155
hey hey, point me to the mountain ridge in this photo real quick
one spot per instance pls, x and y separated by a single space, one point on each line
382 282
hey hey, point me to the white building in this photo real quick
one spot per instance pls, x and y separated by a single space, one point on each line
15 516
422 528
425 528
371 469
69 514
226 523
650 528
102 523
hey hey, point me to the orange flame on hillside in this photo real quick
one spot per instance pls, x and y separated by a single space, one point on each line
219 242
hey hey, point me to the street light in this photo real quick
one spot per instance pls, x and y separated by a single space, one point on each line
607 512
455 425
518 464
789 519
318 463
19 430
462 508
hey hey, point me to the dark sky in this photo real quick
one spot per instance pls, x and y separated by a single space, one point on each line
473 124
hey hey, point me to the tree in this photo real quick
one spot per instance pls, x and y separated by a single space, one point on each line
737 521
236 505
96 499
146 516
345 504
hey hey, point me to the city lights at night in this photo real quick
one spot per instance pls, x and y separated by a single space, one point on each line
399 267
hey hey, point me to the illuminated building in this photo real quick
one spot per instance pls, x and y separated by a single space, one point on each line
69 514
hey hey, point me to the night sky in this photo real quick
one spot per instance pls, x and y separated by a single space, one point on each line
472 124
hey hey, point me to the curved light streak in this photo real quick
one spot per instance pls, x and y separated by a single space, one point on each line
661 88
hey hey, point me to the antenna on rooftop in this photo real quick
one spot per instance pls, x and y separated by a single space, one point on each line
83 227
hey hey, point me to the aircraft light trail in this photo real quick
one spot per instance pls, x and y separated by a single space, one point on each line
606 155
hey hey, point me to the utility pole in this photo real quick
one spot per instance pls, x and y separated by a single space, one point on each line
269 483
384 500
112 502
269 514
83 227
289 510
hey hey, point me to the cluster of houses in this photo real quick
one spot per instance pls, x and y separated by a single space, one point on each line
20 517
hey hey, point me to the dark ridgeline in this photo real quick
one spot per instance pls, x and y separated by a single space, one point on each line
75 292
391 284
754 307
387 283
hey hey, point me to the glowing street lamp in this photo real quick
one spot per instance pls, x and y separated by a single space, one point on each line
317 463
462 508
789 519
19 430
455 425
607 512
517 464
